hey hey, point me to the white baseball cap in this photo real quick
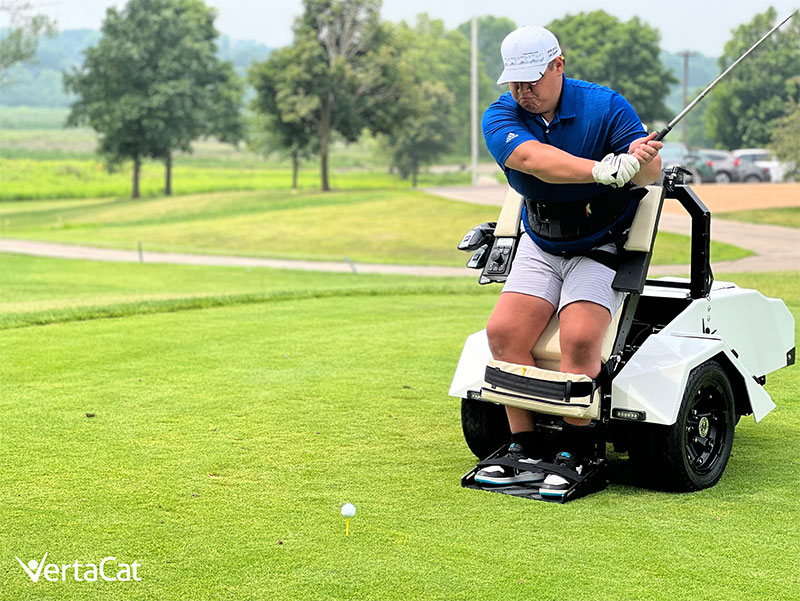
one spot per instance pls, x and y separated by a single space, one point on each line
526 52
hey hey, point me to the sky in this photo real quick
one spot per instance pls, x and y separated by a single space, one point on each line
699 25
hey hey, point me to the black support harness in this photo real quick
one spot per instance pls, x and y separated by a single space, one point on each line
573 220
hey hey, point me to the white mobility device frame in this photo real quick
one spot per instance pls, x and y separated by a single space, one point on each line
684 359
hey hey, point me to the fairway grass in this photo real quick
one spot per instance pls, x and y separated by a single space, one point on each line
223 441
370 226
38 291
44 178
786 216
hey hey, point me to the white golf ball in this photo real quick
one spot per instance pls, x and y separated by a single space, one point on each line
348 510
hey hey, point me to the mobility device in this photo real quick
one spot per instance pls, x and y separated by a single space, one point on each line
683 360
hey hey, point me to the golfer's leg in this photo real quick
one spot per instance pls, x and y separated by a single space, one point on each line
583 326
514 327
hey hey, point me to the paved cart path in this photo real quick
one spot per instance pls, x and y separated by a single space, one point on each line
777 248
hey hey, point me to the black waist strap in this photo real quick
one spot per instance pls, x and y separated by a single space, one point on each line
568 221
612 204
547 389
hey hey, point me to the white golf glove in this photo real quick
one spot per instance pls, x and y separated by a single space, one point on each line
615 170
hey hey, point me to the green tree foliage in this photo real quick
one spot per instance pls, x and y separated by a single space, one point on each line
621 55
153 84
491 33
282 119
746 106
18 43
784 141
784 136
348 75
427 131
432 53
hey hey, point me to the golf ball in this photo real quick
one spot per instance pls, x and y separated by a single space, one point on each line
348 510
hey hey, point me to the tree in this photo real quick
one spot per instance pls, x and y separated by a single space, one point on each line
347 71
784 137
429 52
427 131
282 121
19 42
153 84
746 106
623 56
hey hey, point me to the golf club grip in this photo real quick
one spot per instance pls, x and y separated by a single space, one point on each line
662 134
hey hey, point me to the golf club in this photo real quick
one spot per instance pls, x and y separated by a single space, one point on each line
691 105
477 236
479 257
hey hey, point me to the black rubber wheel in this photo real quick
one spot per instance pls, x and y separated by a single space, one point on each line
722 177
752 179
692 453
485 426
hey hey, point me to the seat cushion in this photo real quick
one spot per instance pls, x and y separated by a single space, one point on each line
547 352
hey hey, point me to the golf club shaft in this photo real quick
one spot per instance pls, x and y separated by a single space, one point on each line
691 105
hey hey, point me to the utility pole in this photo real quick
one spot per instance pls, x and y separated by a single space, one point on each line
686 54
474 102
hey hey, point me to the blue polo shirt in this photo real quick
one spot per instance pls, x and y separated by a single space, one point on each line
591 121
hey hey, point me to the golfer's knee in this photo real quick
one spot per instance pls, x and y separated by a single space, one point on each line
504 340
581 349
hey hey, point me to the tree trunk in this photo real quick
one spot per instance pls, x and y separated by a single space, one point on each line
414 169
295 169
168 182
324 140
137 164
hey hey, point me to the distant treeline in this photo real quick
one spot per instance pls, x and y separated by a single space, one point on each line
40 83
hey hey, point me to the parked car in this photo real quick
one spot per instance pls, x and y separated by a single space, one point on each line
676 153
728 168
763 158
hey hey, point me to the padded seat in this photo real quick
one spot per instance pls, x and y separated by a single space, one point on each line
547 352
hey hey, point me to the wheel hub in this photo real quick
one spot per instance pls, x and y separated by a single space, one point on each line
705 429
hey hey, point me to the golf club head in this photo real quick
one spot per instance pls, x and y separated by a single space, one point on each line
477 236
479 258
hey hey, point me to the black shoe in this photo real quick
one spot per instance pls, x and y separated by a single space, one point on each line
555 485
501 475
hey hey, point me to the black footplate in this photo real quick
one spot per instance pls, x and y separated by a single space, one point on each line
593 479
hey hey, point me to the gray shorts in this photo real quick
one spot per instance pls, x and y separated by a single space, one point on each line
562 281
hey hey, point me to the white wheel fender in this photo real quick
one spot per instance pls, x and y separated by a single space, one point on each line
655 378
471 366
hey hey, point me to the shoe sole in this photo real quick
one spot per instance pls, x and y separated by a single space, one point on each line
550 492
509 481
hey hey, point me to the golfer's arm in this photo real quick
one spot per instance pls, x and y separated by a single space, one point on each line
550 164
649 172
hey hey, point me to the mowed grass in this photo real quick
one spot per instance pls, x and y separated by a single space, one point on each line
224 441
37 291
374 226
787 216
37 178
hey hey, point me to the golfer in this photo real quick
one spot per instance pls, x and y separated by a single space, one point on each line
570 148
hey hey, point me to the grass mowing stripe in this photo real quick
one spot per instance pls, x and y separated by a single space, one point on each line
149 307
